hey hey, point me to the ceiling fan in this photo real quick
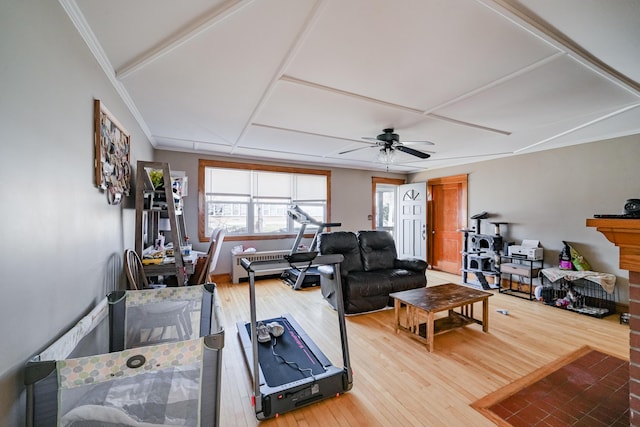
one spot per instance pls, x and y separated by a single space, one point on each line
389 141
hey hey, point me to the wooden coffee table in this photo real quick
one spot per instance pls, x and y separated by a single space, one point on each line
434 299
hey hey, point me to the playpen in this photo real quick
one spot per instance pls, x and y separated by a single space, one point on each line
139 358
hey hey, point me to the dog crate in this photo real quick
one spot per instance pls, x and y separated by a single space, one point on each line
582 292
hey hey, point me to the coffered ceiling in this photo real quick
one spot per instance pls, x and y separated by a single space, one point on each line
303 81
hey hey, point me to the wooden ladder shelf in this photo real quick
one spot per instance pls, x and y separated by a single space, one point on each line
148 214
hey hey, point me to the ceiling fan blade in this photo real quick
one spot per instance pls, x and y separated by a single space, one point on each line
354 149
412 152
419 142
474 156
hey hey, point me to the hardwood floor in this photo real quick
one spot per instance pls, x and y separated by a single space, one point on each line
396 381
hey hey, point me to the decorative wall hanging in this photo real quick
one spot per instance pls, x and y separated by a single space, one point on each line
180 183
112 145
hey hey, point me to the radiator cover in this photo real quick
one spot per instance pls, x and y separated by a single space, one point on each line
238 272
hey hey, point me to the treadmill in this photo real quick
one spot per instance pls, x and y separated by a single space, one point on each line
290 371
304 276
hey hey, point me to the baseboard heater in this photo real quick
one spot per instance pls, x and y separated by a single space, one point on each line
238 272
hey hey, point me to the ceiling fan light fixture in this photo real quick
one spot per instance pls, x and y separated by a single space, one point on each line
386 155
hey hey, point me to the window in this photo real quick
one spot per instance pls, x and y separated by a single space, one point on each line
384 193
385 207
252 200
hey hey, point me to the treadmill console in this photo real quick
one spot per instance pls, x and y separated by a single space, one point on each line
301 257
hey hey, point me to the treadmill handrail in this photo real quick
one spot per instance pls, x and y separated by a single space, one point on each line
332 224
265 265
302 217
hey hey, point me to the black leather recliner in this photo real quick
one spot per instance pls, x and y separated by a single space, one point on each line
370 270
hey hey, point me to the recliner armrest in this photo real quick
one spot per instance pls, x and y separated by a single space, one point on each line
326 271
413 264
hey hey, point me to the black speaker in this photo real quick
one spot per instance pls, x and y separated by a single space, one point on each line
632 207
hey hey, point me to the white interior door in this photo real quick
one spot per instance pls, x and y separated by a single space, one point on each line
412 221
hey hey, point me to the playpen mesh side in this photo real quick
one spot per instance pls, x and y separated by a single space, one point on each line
155 384
71 343
149 317
88 336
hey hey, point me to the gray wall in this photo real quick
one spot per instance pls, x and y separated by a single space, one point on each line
548 196
545 196
350 204
62 243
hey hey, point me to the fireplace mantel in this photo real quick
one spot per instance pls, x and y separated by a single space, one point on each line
625 234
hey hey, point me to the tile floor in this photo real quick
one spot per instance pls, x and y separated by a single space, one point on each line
593 390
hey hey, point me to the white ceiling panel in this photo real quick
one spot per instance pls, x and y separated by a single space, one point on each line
330 113
558 90
434 162
258 137
418 53
608 30
601 127
338 116
191 145
163 19
215 83
275 155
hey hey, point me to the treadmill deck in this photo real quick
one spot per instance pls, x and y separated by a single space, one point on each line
308 377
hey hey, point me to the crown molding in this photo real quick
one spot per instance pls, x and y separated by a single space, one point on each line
79 21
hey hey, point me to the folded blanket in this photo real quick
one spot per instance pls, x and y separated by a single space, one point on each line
605 280
101 416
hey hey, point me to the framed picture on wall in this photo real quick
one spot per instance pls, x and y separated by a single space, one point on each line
112 150
180 183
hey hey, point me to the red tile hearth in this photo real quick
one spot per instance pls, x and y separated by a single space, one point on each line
586 388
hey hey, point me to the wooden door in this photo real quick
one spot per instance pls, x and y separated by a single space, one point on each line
447 214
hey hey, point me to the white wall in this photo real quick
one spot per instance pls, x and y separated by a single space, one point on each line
549 195
62 243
